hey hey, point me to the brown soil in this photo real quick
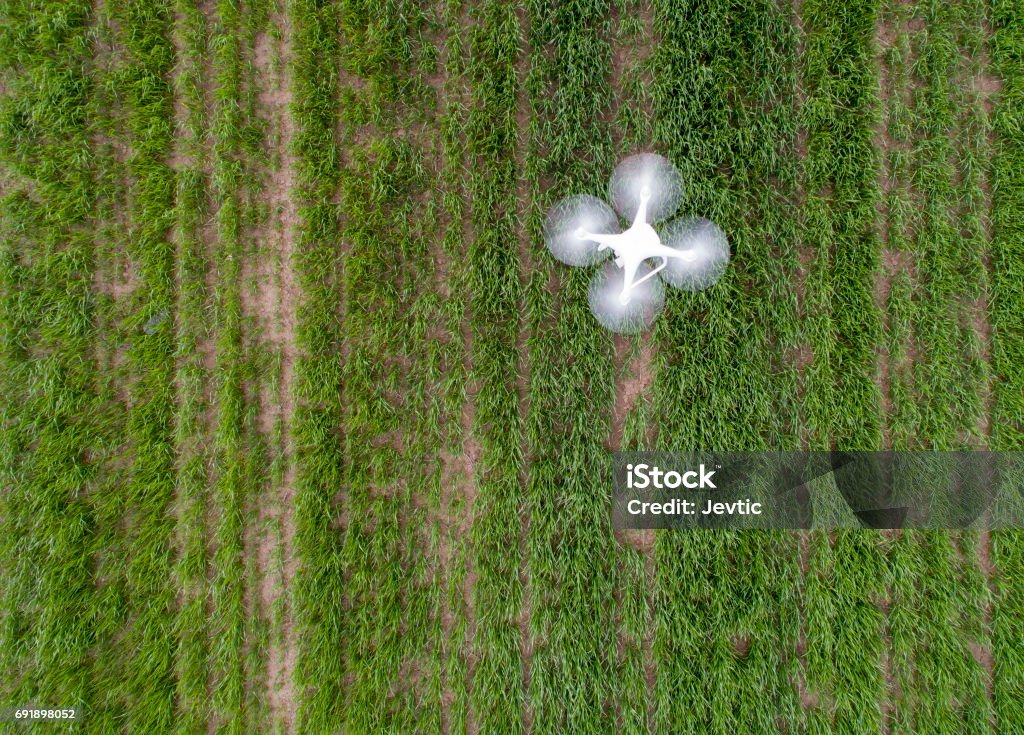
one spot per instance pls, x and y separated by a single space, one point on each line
985 554
741 644
634 381
988 88
982 653
977 314
886 38
274 306
641 540
984 658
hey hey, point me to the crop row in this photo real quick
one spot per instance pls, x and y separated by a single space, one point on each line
144 80
192 652
391 334
723 109
493 302
940 597
947 391
631 132
451 648
576 679
1007 315
50 410
235 474
318 592
843 624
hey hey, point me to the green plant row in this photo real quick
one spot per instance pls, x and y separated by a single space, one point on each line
631 132
493 300
318 585
391 336
723 109
901 215
575 681
237 634
192 268
455 504
948 394
143 84
843 623
50 430
944 611
1006 311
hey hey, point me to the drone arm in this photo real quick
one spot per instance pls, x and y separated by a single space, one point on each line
628 284
641 212
653 273
629 271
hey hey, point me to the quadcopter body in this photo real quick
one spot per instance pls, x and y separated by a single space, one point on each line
689 253
637 244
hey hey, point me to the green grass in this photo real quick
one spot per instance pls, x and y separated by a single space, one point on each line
149 690
318 583
436 337
724 111
948 255
1007 316
575 681
843 623
53 418
231 481
392 424
192 379
492 292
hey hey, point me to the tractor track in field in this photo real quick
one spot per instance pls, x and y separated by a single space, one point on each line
888 36
259 262
275 306
983 87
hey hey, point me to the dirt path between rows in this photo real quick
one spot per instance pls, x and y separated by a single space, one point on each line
275 305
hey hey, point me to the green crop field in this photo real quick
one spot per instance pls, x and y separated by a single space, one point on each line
303 430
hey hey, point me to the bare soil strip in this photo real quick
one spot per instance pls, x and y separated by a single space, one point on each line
983 89
888 37
635 377
893 261
275 304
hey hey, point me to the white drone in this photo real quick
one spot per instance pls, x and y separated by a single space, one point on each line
627 294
